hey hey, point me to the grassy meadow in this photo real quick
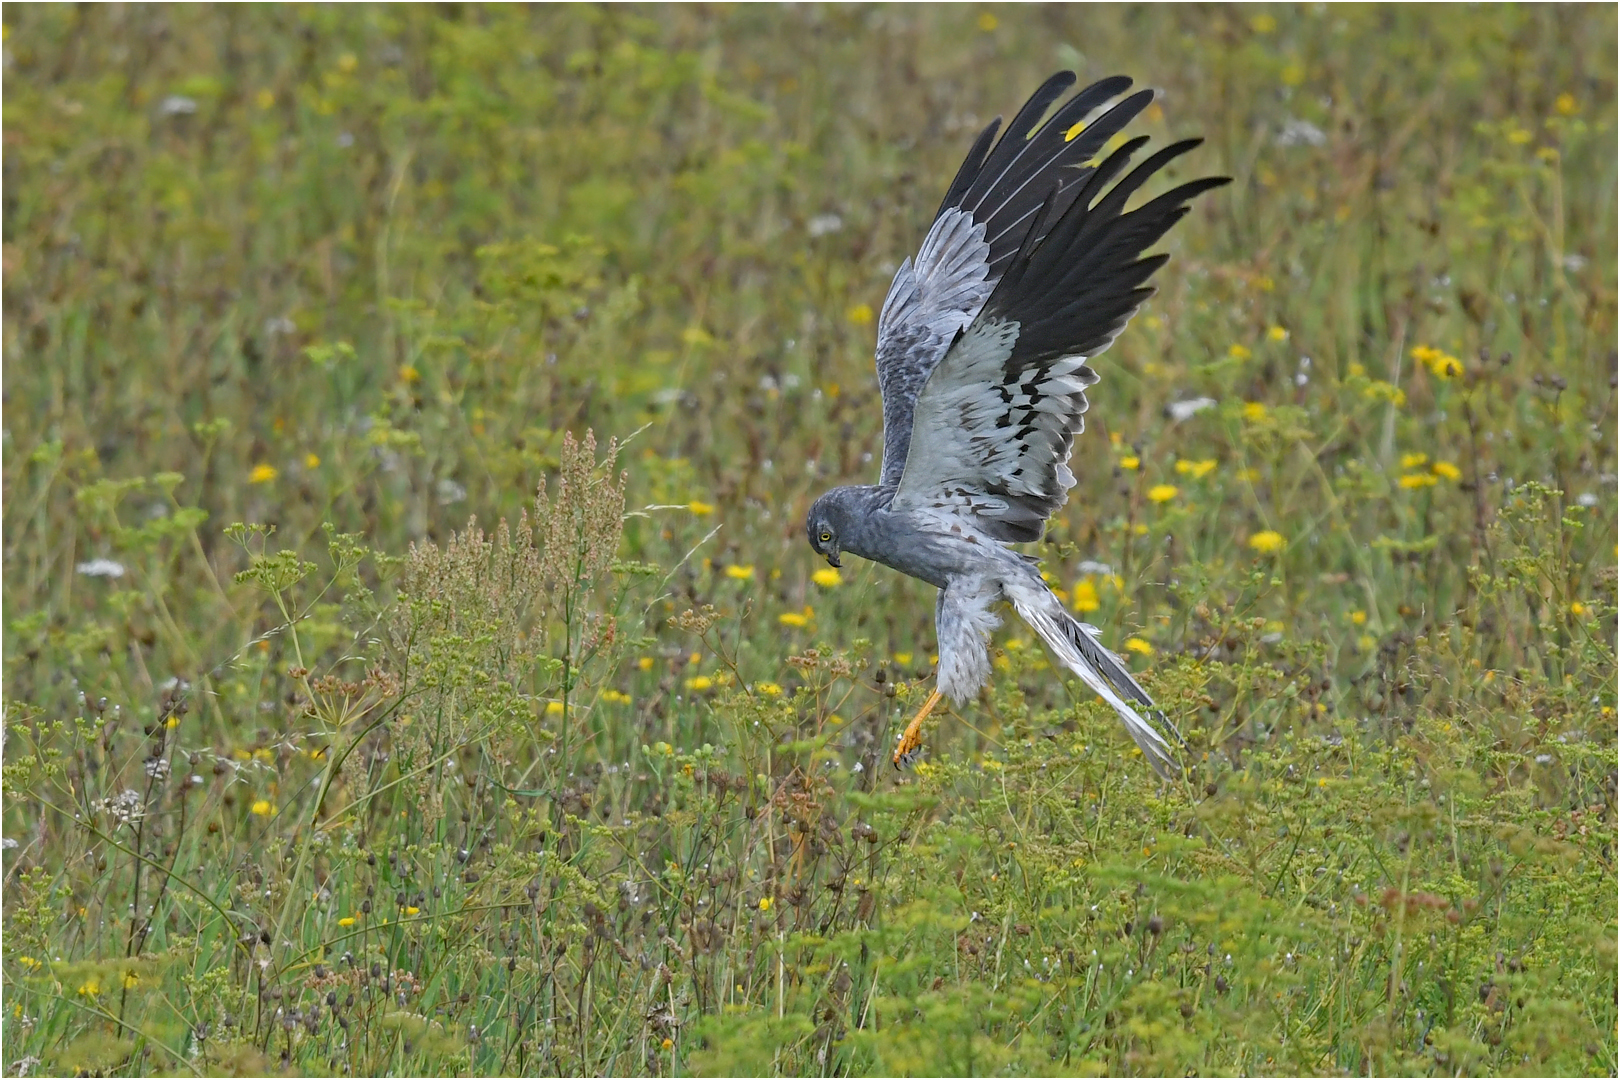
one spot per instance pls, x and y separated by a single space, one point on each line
413 662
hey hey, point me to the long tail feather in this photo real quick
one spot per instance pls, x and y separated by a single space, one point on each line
1079 647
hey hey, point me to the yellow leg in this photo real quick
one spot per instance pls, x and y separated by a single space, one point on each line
910 744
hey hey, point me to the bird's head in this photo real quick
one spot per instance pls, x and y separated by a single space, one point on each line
822 526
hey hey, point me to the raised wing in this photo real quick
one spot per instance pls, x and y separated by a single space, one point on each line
988 214
996 419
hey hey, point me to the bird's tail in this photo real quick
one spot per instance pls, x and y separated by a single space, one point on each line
1080 647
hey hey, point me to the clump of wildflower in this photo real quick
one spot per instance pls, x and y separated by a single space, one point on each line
769 689
1161 493
615 697
1137 645
739 573
1446 469
1254 411
1267 541
1412 461
1443 364
700 508
1085 596
699 683
1379 390
1196 469
125 808
827 578
263 474
1417 480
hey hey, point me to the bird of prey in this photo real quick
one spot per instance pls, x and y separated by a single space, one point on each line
1032 267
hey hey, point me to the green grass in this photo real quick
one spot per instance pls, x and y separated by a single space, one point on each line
293 293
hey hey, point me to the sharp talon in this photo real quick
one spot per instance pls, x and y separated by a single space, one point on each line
909 744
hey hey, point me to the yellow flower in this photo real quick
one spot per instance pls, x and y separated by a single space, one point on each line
409 374
701 509
263 474
699 683
262 808
1358 617
769 689
1565 104
668 1044
1163 492
1085 596
1196 469
1137 645
1412 461
739 573
91 987
29 962
1267 541
615 697
1519 136
1577 608
1417 480
1446 469
413 911
827 577
1130 461
860 314
554 708
347 920
1366 642
1239 352
645 663
793 618
764 903
988 22
902 658
312 461
1254 411
1277 333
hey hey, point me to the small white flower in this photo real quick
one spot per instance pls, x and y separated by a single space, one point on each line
1301 133
1186 410
178 105
1587 499
101 568
1092 566
822 224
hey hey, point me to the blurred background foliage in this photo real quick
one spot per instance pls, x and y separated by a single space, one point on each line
1347 498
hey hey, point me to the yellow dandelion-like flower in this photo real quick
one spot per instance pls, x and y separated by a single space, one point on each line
694 658
739 573
1137 645
645 663
1277 333
1366 642
1519 136
1239 352
409 374
1130 461
764 903
1358 617
1417 480
827 578
769 689
988 22
1085 596
699 683
347 920
1196 469
668 1044
1163 492
262 808
1565 105
902 658
860 314
90 987
1267 541
1412 461
1577 608
1254 411
312 461
263 474
701 509
1446 469
793 618
413 911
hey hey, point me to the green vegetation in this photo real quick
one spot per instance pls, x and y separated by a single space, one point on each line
304 772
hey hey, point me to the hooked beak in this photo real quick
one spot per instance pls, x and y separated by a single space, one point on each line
832 560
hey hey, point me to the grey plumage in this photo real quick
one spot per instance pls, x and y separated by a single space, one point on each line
1031 268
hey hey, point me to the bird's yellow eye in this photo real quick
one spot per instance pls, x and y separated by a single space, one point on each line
826 538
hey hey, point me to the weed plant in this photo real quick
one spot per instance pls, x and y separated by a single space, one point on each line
365 713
